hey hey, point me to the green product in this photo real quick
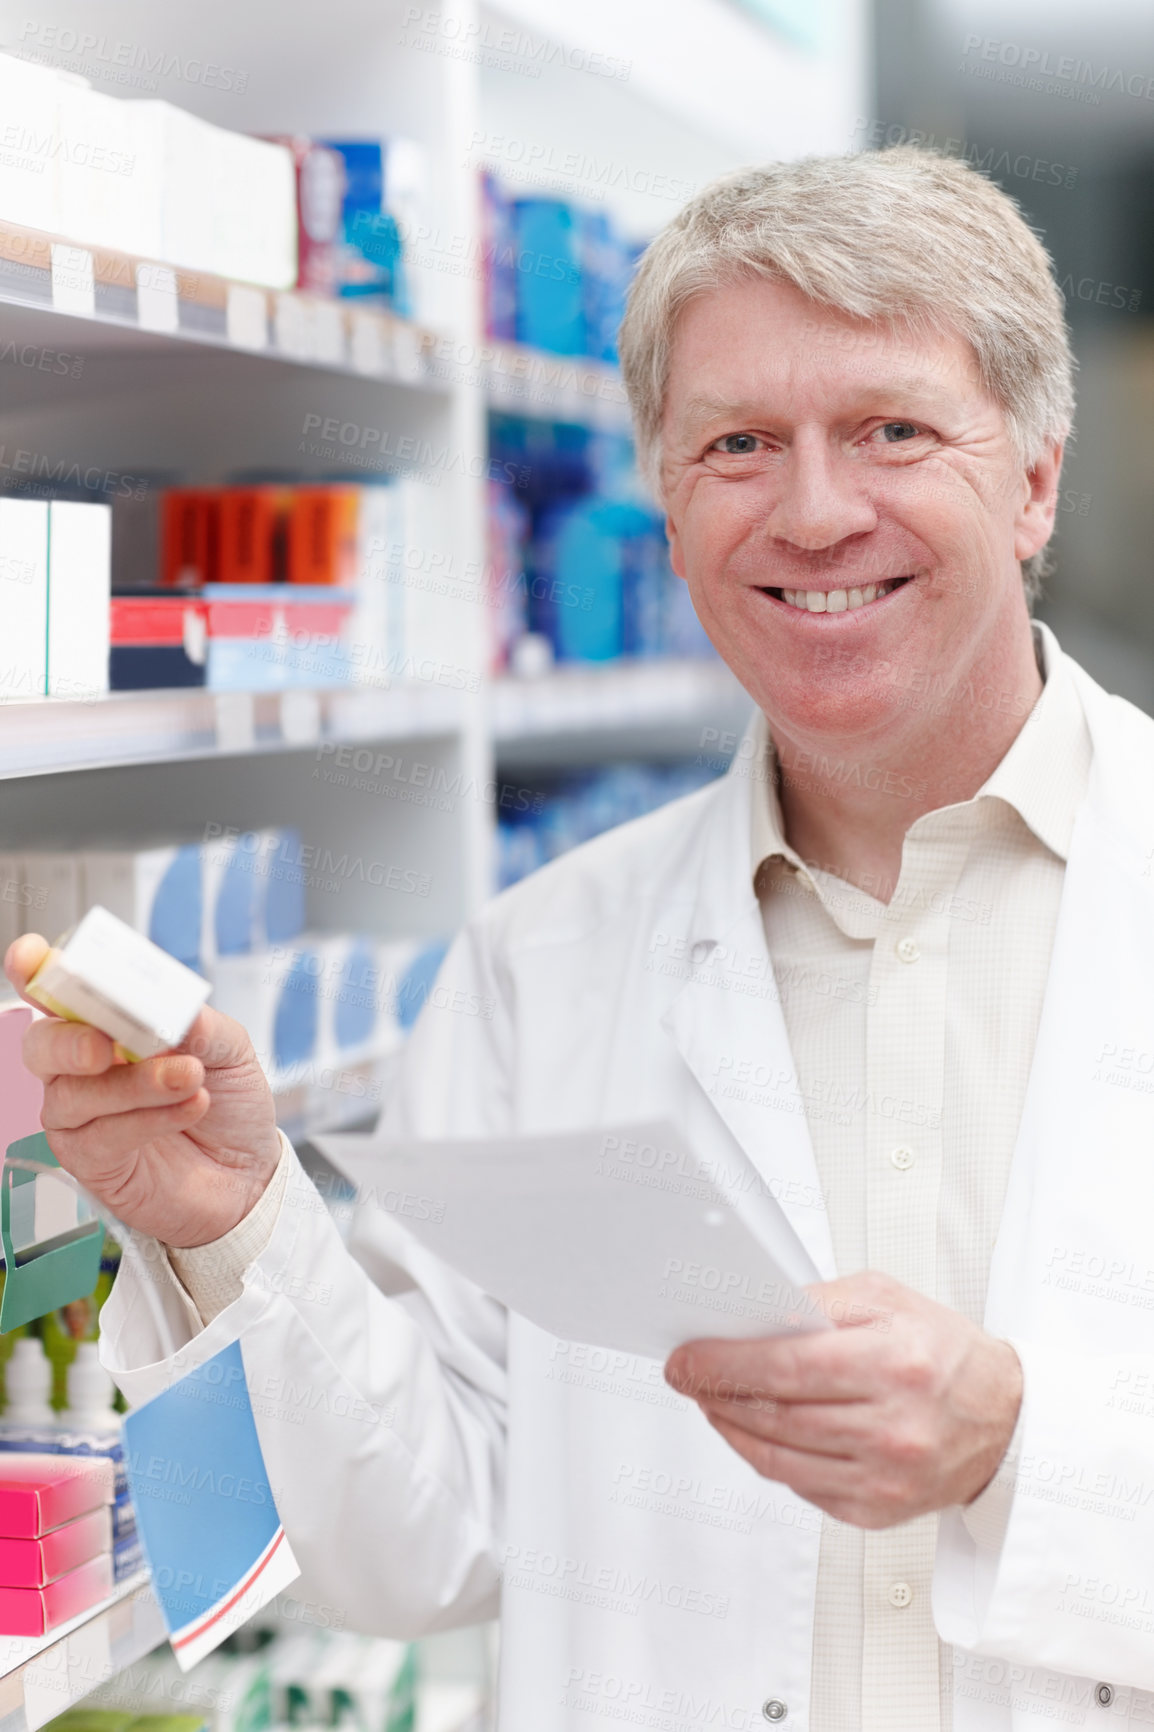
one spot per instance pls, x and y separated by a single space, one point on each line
55 1273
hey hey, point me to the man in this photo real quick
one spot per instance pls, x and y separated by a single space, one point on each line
895 967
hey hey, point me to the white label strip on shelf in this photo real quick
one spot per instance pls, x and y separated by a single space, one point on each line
235 722
156 303
369 353
66 1672
406 351
328 332
295 336
246 317
300 718
73 281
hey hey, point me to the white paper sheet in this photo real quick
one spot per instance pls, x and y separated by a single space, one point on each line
617 1236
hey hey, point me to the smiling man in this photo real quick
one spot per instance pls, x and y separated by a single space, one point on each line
894 968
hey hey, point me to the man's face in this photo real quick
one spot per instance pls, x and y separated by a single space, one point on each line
809 458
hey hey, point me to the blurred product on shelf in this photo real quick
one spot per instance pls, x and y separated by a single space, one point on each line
109 1720
145 178
87 1426
571 807
55 577
305 585
275 1674
556 274
382 207
320 191
55 1538
577 556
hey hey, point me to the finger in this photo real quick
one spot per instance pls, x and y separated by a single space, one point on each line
217 1041
109 1139
55 1048
867 1299
72 1101
840 1428
824 1365
23 958
817 1478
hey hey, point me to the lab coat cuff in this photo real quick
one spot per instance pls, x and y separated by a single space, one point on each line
987 1516
213 1274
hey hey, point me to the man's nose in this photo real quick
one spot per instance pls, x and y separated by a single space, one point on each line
821 499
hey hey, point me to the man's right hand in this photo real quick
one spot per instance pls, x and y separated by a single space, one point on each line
180 1146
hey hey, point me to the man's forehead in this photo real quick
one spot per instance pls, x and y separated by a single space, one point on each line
885 386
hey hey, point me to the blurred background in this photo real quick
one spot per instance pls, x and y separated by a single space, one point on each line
1056 103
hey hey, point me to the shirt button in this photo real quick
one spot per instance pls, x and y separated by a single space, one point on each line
902 1158
774 1709
907 949
1104 1695
901 1594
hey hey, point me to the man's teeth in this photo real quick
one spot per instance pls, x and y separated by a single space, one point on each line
837 600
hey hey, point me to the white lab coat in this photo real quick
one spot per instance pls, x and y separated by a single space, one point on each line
433 1457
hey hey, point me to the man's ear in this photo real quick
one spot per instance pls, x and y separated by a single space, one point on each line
674 541
1034 524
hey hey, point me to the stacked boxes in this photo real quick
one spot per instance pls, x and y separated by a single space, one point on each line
55 1540
145 178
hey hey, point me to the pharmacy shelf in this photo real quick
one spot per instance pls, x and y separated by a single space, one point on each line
522 381
53 735
659 709
41 1676
135 299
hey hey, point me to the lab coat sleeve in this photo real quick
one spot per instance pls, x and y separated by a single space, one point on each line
1071 1586
377 1376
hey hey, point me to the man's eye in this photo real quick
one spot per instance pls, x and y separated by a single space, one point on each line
895 431
737 444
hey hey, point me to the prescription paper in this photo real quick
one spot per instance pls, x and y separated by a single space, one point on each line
617 1236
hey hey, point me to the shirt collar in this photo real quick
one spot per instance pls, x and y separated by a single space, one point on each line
1043 777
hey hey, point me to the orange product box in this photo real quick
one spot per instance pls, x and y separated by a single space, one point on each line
190 535
254 532
323 542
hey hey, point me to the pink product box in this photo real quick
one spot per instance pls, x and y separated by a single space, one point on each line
41 1492
35 1563
35 1611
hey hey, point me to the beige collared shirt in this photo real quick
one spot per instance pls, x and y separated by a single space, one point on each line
913 1028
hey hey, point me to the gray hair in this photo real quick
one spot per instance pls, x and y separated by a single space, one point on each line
901 235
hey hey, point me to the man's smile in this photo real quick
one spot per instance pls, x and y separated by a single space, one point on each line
838 600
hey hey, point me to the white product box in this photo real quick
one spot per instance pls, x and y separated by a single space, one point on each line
109 976
253 890
372 627
29 142
157 891
23 597
53 893
352 995
274 996
107 188
227 201
79 590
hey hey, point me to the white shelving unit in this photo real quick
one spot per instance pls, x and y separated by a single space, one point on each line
41 1676
627 107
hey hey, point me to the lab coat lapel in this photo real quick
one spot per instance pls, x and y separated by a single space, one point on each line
729 1028
1081 1189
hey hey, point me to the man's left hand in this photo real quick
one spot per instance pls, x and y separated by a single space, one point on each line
904 1407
